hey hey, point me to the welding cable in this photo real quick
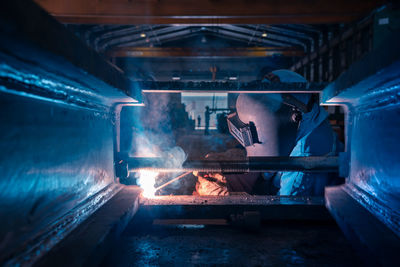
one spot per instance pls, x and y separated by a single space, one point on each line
171 181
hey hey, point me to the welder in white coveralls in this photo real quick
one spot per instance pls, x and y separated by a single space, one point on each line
280 125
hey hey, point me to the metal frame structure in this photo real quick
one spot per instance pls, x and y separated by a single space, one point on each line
334 56
257 87
111 37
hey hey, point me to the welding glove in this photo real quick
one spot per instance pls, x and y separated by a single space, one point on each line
211 184
214 184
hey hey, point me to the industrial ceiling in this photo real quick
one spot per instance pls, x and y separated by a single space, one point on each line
158 40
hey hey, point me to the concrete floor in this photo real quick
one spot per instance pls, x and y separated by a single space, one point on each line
275 244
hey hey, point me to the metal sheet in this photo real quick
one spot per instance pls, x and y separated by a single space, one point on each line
25 26
375 167
371 90
52 157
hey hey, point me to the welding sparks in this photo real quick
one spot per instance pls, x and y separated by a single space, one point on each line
147 181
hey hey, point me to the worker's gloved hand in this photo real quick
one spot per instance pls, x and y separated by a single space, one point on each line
214 184
211 184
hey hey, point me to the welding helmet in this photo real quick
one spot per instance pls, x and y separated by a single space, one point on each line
265 124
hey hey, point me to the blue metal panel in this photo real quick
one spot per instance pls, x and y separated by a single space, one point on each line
376 153
375 162
371 90
57 129
374 128
34 36
52 157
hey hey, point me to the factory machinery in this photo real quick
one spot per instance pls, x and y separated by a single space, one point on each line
61 202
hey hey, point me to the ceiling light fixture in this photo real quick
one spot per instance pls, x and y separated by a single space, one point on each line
264 34
143 35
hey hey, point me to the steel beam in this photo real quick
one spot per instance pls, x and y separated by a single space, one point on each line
230 87
372 239
216 12
327 50
270 36
96 235
212 208
204 52
158 36
29 36
170 35
245 35
351 85
253 164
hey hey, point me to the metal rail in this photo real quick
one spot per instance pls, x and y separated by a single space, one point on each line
230 87
253 164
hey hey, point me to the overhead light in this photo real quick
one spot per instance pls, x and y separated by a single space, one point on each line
233 78
176 78
264 34
143 35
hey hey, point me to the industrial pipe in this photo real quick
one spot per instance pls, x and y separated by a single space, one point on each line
252 164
